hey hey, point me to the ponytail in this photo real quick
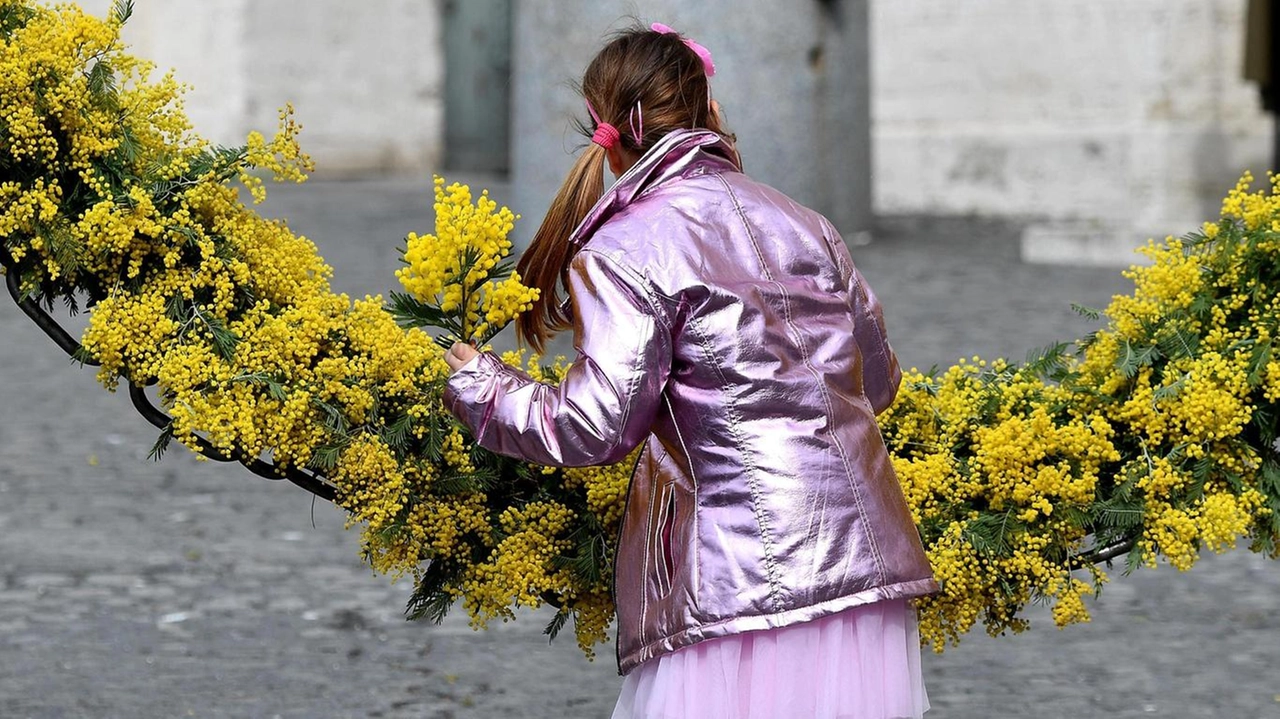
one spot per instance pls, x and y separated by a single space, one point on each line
545 264
659 77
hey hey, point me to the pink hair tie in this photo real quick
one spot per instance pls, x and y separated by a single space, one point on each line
703 53
606 135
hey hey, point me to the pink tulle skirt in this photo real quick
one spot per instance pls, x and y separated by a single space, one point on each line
862 663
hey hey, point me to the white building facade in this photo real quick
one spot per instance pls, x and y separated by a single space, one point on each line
1103 122
1100 122
366 79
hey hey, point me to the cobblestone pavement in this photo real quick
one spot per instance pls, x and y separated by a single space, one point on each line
130 588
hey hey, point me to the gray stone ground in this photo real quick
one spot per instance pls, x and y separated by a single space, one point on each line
182 589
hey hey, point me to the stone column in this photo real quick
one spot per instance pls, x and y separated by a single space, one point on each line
792 78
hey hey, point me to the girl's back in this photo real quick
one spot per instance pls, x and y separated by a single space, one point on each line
765 471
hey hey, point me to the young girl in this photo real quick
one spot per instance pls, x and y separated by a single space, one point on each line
766 554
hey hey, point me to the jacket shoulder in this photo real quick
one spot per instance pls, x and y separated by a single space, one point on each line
661 228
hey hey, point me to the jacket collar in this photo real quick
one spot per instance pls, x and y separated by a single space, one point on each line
680 154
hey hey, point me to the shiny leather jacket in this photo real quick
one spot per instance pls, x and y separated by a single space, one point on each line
724 327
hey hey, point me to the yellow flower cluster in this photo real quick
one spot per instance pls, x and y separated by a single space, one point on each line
445 528
45 74
994 477
229 313
590 603
459 269
282 156
1252 208
605 487
1155 440
520 569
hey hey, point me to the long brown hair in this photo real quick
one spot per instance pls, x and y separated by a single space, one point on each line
638 66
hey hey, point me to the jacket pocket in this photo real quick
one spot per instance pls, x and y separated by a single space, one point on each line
664 553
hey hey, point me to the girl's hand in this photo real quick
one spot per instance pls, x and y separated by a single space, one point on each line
459 354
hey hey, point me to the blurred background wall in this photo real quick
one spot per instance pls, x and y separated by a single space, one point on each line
1107 122
366 78
1100 123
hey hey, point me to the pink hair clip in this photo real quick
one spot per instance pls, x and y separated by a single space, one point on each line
703 53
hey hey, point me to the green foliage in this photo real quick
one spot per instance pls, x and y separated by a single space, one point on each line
431 599
1087 312
557 623
162 443
122 10
1049 362
1134 357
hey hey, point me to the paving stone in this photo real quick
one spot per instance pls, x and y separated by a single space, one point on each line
288 627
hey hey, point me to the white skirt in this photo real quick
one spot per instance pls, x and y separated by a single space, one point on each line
861 663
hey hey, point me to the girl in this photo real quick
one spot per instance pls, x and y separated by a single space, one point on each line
766 554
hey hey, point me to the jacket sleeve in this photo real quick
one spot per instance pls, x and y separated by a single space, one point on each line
881 374
606 403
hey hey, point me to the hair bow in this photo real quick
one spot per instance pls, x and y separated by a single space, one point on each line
703 53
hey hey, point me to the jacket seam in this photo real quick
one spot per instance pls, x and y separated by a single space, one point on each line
647 292
844 458
638 360
856 288
753 479
866 314
822 388
742 216
835 436
626 511
844 455
752 472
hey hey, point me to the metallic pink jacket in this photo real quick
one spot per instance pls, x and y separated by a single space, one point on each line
724 327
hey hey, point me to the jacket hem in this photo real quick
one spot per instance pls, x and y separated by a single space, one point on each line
739 625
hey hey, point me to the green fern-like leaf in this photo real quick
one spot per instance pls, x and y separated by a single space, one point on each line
1169 391
1134 559
102 79
1048 361
162 443
1258 361
1115 514
430 600
334 419
122 11
481 480
989 534
557 624
224 340
1132 358
1087 312
398 433
325 458
1175 344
